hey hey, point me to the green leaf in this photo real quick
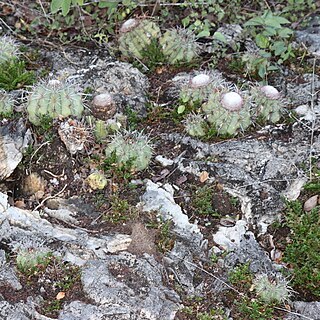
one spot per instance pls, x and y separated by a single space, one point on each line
278 47
108 4
204 33
261 41
55 5
65 7
285 32
219 36
181 109
256 21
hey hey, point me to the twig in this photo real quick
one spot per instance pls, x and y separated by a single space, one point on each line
313 94
49 197
294 313
44 12
32 156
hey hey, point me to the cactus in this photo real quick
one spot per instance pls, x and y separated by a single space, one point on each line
8 49
269 106
228 112
179 45
52 100
6 104
195 125
199 88
100 130
277 290
136 36
29 260
130 148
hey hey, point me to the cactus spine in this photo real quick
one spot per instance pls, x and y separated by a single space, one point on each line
8 49
131 148
6 104
195 125
136 35
179 45
54 99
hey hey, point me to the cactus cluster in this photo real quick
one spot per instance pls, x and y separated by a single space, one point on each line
136 35
176 45
227 110
130 148
6 104
179 45
52 100
8 49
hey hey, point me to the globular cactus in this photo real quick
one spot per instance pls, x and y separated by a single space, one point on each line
199 87
227 112
103 106
136 35
8 49
269 291
52 100
100 130
196 125
6 104
179 45
131 148
268 103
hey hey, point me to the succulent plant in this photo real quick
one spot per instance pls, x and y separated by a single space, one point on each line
199 87
196 125
6 104
8 49
52 100
269 105
136 35
179 45
131 148
228 112
100 130
269 291
28 260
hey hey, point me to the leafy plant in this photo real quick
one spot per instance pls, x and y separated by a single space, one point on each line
302 253
241 276
202 202
13 75
273 40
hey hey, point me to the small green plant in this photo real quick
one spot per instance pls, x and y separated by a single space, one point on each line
165 240
195 125
13 75
9 49
241 277
120 210
302 253
253 309
130 148
202 202
52 100
214 314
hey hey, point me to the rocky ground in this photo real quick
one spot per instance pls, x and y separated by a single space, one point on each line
194 234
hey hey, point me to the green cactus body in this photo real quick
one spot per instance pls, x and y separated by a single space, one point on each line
131 148
269 107
53 100
136 35
195 125
224 121
6 104
179 45
8 49
100 130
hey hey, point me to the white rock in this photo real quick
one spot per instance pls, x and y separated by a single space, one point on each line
164 161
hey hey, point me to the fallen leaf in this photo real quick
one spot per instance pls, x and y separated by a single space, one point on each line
310 203
60 295
204 175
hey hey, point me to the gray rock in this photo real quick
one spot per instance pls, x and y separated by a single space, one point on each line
14 138
7 275
310 36
307 311
131 285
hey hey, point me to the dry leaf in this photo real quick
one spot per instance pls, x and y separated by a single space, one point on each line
204 175
60 295
310 203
